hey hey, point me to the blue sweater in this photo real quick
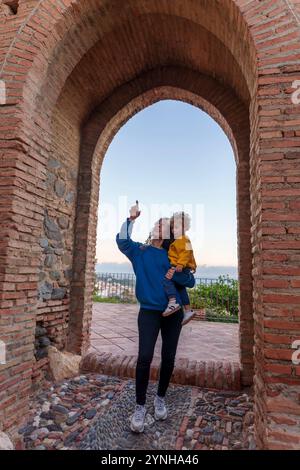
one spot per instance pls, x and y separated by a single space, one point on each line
150 265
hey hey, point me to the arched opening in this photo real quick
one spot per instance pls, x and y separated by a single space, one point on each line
98 134
172 156
147 153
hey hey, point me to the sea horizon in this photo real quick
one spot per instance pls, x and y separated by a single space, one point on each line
202 270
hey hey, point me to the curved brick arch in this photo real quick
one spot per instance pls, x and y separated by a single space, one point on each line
223 106
62 26
40 47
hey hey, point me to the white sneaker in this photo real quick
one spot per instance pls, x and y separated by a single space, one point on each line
160 409
137 423
171 308
188 316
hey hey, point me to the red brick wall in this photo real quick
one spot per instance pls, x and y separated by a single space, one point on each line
274 190
65 64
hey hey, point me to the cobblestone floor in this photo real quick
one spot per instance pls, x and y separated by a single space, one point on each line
114 329
92 412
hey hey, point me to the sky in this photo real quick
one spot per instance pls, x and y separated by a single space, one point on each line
171 156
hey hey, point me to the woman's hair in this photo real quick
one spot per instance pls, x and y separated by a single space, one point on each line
148 241
163 225
181 222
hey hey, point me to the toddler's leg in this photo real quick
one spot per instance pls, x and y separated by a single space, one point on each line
185 300
184 297
188 316
171 292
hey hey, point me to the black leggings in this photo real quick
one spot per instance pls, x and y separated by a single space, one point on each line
149 323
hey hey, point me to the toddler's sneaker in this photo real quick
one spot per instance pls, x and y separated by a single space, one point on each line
188 316
137 423
160 409
171 308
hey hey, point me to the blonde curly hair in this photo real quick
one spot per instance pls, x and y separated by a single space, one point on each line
181 222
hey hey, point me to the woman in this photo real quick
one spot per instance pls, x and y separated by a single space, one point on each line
150 264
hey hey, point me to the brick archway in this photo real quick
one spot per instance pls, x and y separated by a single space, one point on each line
106 120
59 62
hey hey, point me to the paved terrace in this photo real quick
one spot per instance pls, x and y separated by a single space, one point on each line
114 330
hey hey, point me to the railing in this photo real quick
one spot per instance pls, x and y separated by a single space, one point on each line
115 287
215 299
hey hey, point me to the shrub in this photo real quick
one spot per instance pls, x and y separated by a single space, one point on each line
219 298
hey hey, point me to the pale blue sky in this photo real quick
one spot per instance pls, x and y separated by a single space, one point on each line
171 152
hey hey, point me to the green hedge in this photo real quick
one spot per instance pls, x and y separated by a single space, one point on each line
220 298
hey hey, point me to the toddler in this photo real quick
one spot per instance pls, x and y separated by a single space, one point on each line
183 264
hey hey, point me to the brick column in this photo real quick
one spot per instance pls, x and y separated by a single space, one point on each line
276 201
246 330
21 222
82 284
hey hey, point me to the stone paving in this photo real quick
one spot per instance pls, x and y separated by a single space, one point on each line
93 411
114 329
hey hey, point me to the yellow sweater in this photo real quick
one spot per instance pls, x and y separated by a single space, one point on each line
181 253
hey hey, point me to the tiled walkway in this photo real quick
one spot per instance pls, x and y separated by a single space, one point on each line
114 330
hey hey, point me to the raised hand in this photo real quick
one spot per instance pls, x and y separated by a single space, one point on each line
134 211
179 268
